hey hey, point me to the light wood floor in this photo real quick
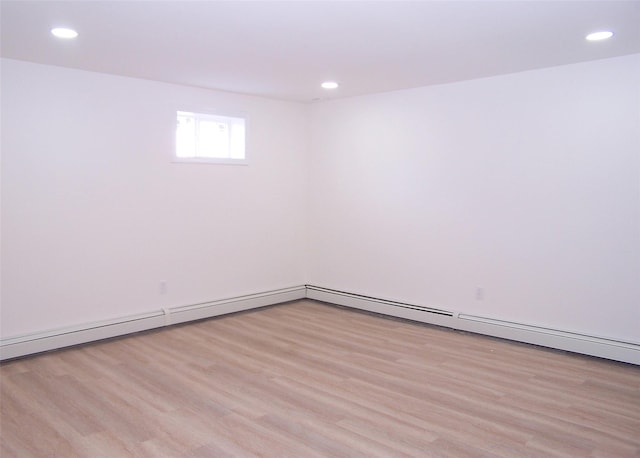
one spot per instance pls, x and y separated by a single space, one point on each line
306 379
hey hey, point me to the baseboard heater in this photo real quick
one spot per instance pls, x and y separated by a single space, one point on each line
603 347
319 290
28 344
389 307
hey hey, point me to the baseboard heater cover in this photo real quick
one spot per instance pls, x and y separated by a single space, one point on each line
383 306
602 347
311 288
628 352
14 347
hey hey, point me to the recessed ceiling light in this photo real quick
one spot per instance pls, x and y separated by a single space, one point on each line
62 32
595 36
329 85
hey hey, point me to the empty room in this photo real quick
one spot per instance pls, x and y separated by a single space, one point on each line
320 228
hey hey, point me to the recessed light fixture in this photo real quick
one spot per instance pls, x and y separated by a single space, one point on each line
329 85
597 36
62 32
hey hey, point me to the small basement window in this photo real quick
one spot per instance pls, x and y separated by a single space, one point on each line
210 138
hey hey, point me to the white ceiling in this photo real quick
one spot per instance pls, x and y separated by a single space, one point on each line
286 49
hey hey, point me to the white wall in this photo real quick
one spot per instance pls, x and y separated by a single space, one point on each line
526 185
94 216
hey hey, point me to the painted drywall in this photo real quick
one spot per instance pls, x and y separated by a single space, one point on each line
95 216
525 185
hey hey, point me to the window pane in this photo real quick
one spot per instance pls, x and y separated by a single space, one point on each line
213 140
237 140
186 137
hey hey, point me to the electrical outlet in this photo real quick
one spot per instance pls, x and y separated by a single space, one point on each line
163 287
479 293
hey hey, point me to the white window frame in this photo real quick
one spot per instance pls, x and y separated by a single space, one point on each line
227 119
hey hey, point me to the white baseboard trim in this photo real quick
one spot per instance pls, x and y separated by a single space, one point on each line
627 352
15 347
